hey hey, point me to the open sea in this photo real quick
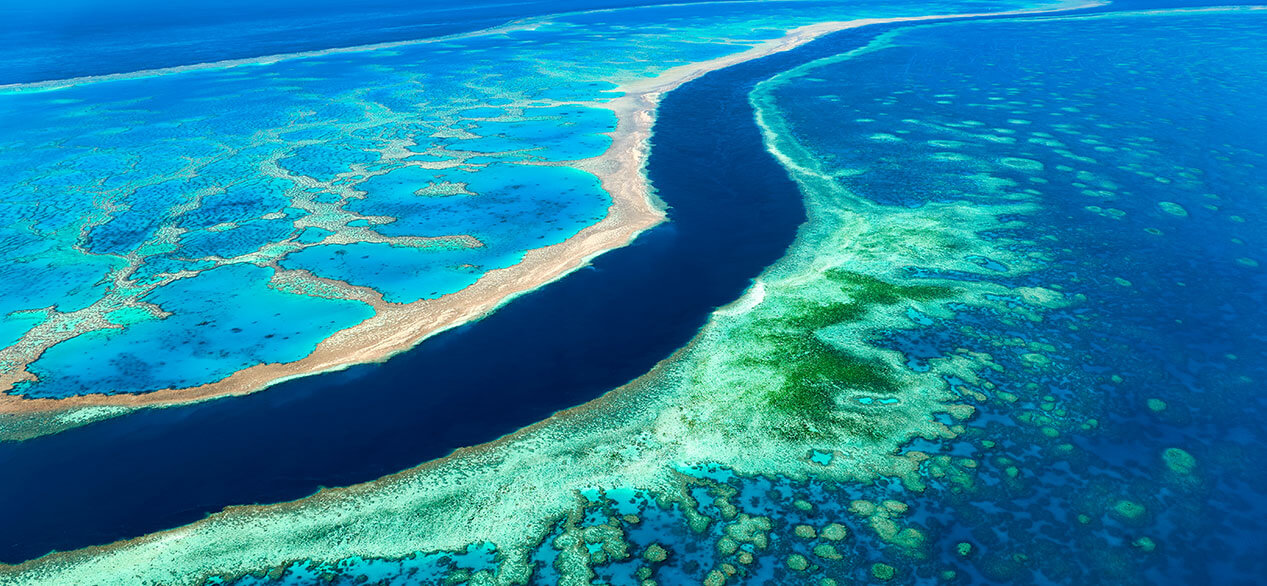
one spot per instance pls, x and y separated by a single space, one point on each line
1121 438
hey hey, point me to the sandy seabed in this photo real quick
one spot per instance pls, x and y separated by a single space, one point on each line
396 328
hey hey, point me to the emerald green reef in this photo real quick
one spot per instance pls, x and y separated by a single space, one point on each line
1018 339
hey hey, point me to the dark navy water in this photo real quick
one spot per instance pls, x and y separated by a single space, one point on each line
72 38
1148 213
733 212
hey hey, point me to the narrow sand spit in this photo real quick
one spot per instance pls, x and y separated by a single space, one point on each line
396 328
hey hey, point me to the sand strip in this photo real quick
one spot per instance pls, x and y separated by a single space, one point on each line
397 328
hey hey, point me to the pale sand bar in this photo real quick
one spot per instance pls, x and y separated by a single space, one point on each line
227 542
397 328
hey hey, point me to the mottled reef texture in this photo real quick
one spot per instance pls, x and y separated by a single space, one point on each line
143 355
796 388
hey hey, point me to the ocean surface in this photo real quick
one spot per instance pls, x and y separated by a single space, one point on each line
593 331
77 38
549 350
1125 449
1115 439
326 191
195 256
1116 426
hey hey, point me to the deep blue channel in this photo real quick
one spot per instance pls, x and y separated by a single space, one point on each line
733 212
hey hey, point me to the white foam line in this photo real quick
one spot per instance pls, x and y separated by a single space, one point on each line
56 84
527 23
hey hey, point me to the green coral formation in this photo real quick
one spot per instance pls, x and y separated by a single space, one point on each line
882 520
835 532
797 562
1129 510
791 370
1179 461
882 571
827 551
815 370
656 553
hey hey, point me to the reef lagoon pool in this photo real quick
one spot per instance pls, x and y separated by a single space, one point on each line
937 300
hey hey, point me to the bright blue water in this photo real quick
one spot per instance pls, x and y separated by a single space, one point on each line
421 569
79 487
265 326
510 198
1148 162
1185 329
72 38
733 212
117 189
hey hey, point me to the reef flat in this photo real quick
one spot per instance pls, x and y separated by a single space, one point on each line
353 225
954 375
553 349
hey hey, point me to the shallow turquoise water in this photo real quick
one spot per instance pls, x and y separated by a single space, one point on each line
1131 170
1143 205
339 164
1142 164
198 341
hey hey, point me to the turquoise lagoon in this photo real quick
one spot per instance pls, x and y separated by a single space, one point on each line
409 170
1098 245
1024 321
